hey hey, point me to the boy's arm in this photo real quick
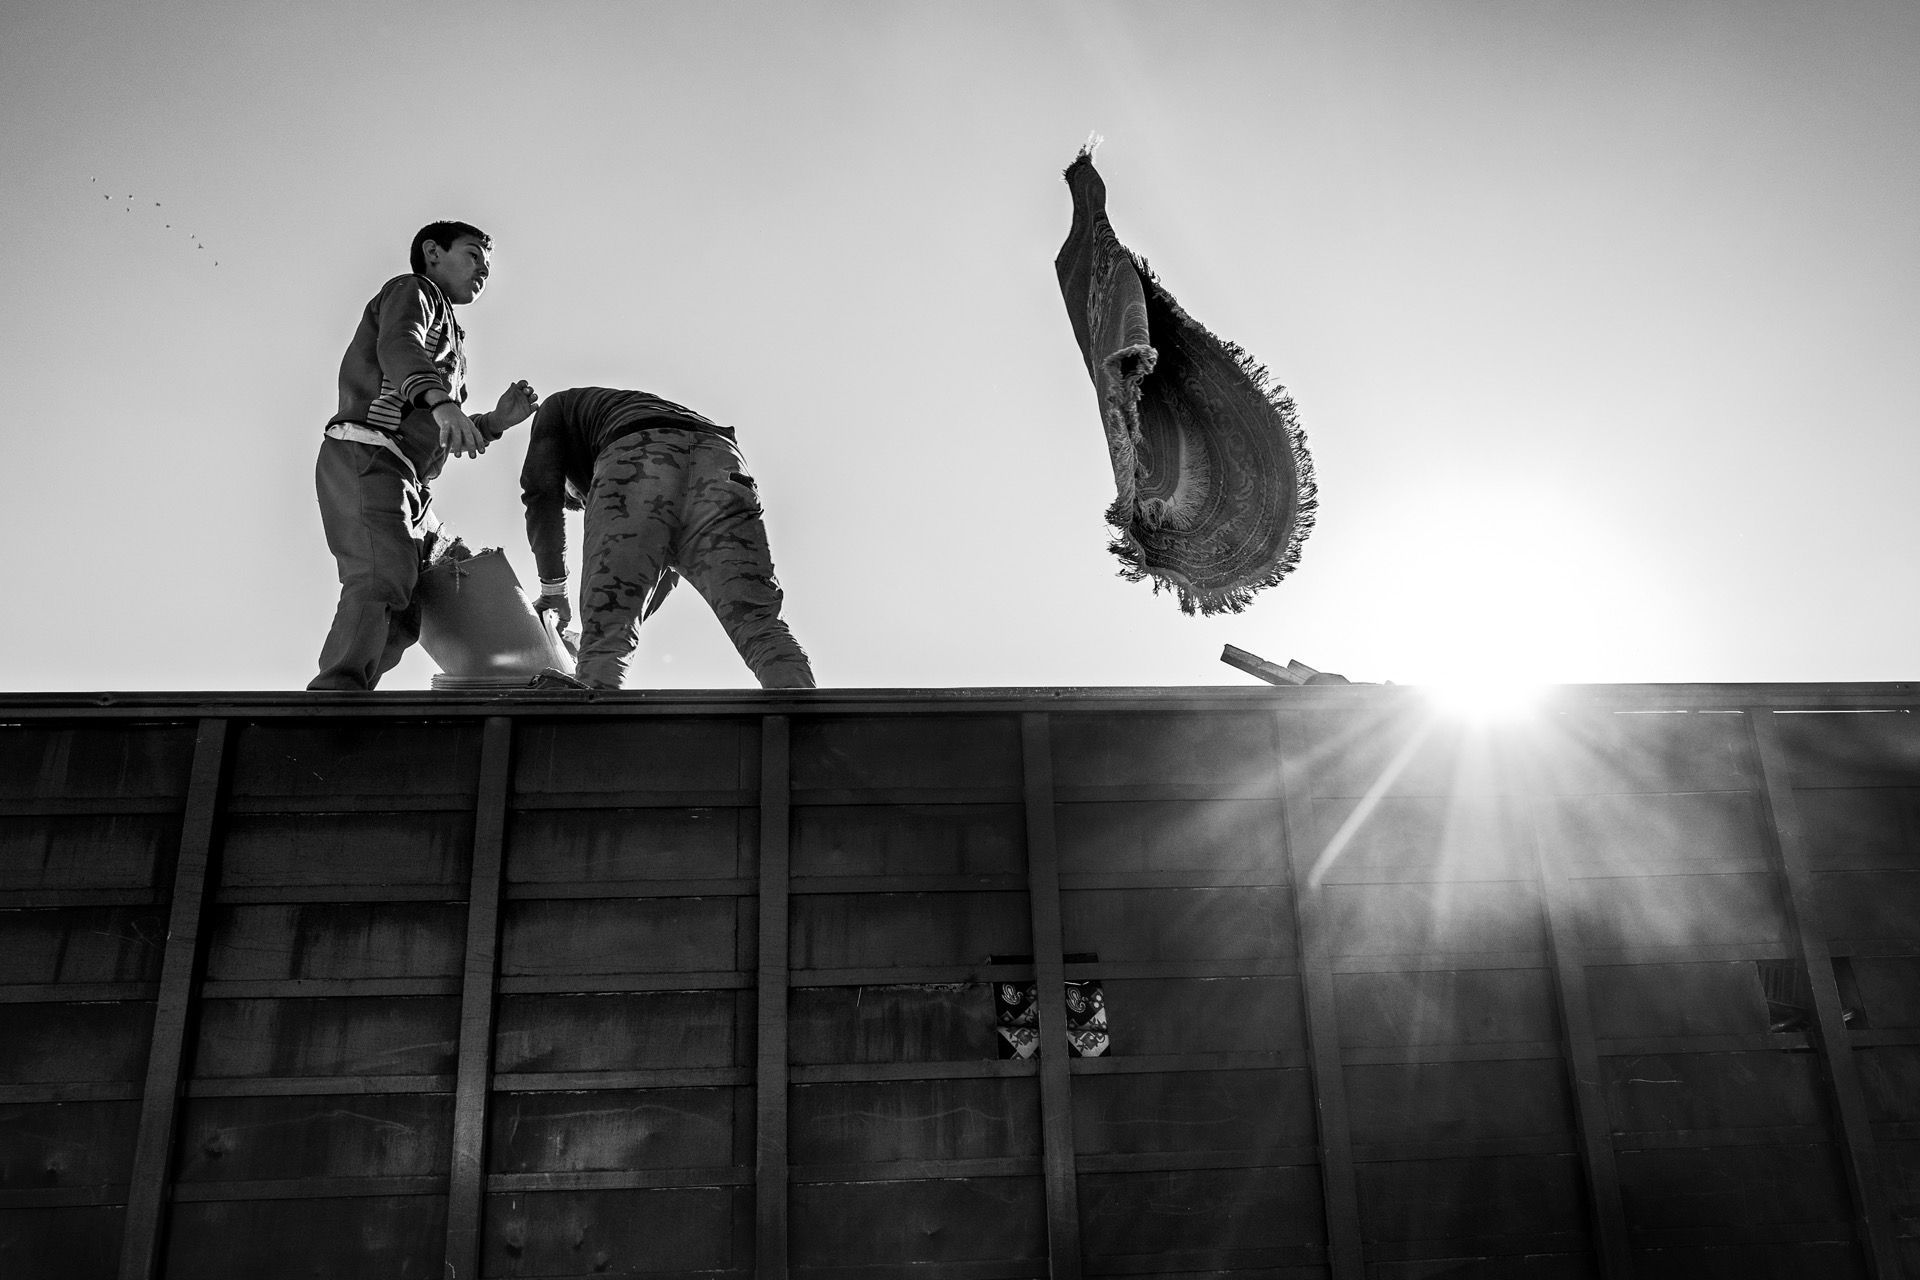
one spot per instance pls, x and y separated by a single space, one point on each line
517 404
406 361
404 319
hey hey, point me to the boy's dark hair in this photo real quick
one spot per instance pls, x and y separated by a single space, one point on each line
442 234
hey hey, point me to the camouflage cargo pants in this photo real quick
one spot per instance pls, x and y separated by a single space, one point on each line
669 498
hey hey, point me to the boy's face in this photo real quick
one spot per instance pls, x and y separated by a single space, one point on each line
460 270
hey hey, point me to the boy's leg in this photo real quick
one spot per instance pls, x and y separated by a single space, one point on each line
373 514
723 553
632 514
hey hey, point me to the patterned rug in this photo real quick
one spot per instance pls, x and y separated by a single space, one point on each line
1213 483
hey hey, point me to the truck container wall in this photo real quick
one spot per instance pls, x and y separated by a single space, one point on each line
963 985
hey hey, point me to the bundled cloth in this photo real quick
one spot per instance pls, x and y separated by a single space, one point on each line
1213 484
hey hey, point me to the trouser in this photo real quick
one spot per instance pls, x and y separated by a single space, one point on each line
672 498
381 528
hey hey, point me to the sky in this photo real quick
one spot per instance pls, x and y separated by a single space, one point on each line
1601 320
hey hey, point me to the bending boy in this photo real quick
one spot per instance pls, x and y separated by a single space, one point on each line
402 383
664 489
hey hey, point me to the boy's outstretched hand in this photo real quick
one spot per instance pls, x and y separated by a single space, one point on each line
517 404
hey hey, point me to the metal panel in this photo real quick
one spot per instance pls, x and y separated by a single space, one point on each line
479 971
1049 975
1858 1157
772 1028
1302 754
159 1108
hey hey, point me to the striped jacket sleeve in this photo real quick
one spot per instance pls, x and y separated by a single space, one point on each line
410 328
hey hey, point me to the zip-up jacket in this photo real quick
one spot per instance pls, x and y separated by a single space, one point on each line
407 347
570 429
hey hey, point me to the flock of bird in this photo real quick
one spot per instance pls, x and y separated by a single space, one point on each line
167 226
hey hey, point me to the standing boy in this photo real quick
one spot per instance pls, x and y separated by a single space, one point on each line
402 383
664 489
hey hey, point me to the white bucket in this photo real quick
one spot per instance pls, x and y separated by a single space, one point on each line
478 625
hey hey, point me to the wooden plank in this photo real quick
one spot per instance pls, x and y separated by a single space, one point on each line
1700 1091
915 1170
318 854
559 890
326 1036
909 845
621 983
384 1188
915 975
1405 1103
49 899
1143 1221
919 797
1600 1185
621 1031
68 1145
166 1050
1339 1185
1734 1187
1167 842
1518 1050
78 992
846 1072
87 852
1161 1161
619 1180
1166 1115
868 930
61 1242
909 884
614 846
75 946
615 1129
1244 925
594 1081
1146 756
94 761
911 759
573 936
313 1136
382 1235
1420 1203
1446 1007
859 1123
1286 1058
413 763
1872 1223
920 1221
628 801
770 1066
631 754
466 1185
267 942
897 1020
1049 972
649 1231
1712 998
293 1086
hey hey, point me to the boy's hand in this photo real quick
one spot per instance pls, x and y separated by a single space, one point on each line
458 432
517 404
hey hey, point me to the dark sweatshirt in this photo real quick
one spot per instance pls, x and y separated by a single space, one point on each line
569 432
